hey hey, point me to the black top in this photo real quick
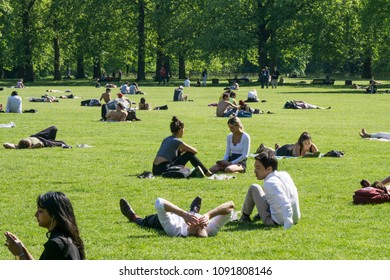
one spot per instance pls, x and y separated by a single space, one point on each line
60 247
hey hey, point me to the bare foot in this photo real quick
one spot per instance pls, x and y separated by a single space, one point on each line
365 183
364 134
9 146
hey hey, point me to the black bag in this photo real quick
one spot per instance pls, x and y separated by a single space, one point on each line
176 171
334 153
290 105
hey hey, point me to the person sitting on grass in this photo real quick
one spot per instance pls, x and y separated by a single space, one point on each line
106 96
143 105
118 115
55 213
42 139
134 89
277 202
173 151
225 108
380 135
237 149
177 222
14 103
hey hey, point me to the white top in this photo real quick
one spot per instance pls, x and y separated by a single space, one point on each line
187 83
175 225
252 94
282 196
124 89
14 104
242 148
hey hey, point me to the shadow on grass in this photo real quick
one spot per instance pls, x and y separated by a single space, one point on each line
237 226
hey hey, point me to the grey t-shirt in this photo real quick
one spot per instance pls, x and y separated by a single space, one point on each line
169 148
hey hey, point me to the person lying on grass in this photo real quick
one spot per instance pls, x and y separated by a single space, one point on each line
277 202
303 147
384 184
380 135
42 139
177 222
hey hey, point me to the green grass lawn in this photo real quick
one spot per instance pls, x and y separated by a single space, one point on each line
95 178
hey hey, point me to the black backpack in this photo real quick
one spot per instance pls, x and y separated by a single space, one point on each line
176 171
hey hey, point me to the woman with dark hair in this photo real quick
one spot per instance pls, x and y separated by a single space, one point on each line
55 212
303 147
237 149
173 151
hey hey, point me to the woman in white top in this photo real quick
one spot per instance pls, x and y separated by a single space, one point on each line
237 149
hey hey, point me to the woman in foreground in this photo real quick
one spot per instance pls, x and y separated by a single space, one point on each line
55 213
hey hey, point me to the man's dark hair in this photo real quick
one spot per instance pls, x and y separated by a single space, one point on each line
268 159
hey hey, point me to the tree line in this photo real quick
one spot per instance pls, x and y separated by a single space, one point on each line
43 38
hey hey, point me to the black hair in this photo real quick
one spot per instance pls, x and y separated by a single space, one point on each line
176 124
59 207
267 158
304 136
14 93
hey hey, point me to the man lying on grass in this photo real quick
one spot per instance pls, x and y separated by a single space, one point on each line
177 222
277 202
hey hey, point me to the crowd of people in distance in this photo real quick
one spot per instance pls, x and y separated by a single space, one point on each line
274 203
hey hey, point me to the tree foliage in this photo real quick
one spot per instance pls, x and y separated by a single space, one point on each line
95 37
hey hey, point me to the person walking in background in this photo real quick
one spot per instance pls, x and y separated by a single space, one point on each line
275 77
204 77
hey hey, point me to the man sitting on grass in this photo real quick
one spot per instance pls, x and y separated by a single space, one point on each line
225 108
277 202
177 222
42 139
118 115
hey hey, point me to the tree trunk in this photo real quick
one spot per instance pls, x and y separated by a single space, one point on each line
262 37
159 56
80 69
367 67
97 70
29 75
182 67
57 59
141 41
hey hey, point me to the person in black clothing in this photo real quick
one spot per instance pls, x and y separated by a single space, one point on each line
55 212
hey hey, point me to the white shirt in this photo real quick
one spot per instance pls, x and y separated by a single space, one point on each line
124 89
14 104
282 196
252 95
187 83
242 148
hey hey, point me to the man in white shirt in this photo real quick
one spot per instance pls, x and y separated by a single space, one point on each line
177 222
252 96
125 88
14 103
187 82
277 202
